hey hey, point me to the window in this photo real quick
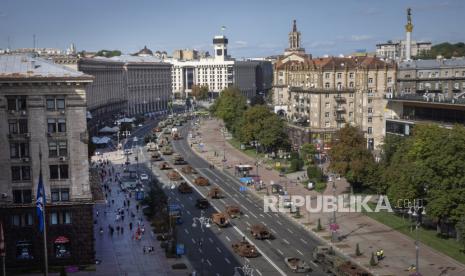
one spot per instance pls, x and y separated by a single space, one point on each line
339 86
327 124
389 79
56 125
370 80
57 148
16 103
351 84
370 130
339 75
351 95
420 74
351 114
19 150
22 220
22 196
446 73
24 249
326 84
20 173
326 114
326 105
58 171
370 119
370 101
351 75
63 217
327 95
327 75
17 126
52 127
370 110
60 194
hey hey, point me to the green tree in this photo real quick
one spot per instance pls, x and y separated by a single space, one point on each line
200 92
229 106
357 251
349 155
447 50
307 152
460 227
108 53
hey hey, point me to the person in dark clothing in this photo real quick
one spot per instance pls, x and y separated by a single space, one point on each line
130 226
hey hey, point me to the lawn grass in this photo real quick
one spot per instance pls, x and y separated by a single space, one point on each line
448 247
253 153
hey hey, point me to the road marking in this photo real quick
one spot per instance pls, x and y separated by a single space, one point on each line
222 201
177 199
286 241
190 198
280 252
182 205
304 241
185 230
281 272
193 241
188 212
218 249
236 195
313 263
247 260
200 250
263 223
245 208
272 230
228 238
248 224
236 200
299 252
258 271
249 200
210 239
253 215
268 241
261 215
279 222
290 231
210 264
227 260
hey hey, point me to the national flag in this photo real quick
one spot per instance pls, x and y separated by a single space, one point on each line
223 28
40 202
2 241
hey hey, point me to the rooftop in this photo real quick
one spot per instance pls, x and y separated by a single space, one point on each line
28 66
130 59
432 63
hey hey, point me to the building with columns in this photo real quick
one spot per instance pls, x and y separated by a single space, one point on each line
318 96
43 113
127 85
217 72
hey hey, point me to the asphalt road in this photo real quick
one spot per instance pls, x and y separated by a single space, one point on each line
213 245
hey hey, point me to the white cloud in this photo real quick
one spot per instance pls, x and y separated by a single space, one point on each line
322 43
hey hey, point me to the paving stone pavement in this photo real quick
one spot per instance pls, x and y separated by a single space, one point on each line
368 233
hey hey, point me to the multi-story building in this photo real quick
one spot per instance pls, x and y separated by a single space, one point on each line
185 54
127 84
43 128
218 72
427 91
321 95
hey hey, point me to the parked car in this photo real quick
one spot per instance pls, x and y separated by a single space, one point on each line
144 176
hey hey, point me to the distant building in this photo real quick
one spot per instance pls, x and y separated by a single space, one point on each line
43 111
127 85
186 54
318 96
403 49
427 91
217 72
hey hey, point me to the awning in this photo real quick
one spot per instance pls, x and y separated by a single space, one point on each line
100 140
108 129
61 239
126 120
245 179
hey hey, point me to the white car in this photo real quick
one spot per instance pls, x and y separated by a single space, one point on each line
144 176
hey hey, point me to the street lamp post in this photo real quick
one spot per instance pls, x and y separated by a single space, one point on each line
417 211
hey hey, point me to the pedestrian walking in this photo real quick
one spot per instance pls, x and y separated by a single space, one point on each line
137 207
130 226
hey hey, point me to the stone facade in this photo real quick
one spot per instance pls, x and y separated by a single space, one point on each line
43 111
324 94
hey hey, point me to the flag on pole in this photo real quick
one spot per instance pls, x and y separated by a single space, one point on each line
2 241
40 202
223 28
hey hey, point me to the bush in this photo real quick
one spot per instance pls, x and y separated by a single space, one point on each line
315 173
357 251
373 260
296 165
320 186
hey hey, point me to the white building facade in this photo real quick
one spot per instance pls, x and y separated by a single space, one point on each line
217 72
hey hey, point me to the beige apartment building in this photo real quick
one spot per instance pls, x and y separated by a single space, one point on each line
321 95
43 110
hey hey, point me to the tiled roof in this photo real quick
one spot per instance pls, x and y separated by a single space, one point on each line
28 66
432 63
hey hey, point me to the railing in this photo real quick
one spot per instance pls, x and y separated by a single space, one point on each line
432 98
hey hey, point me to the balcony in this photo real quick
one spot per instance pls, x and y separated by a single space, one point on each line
340 98
435 98
340 119
339 108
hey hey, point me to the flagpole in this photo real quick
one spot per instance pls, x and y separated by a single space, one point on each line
3 249
44 220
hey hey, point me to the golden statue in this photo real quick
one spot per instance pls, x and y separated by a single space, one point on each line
409 26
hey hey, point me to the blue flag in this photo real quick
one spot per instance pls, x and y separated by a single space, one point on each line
40 202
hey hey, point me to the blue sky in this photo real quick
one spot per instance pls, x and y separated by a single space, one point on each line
255 28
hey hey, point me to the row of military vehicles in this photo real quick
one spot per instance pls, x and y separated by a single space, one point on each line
325 256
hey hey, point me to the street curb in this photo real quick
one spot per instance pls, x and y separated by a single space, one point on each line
294 221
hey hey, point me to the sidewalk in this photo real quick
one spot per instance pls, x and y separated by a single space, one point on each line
368 233
120 253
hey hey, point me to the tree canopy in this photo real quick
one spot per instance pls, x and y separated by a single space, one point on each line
229 106
108 53
200 92
447 50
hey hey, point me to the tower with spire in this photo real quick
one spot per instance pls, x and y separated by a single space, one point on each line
294 41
